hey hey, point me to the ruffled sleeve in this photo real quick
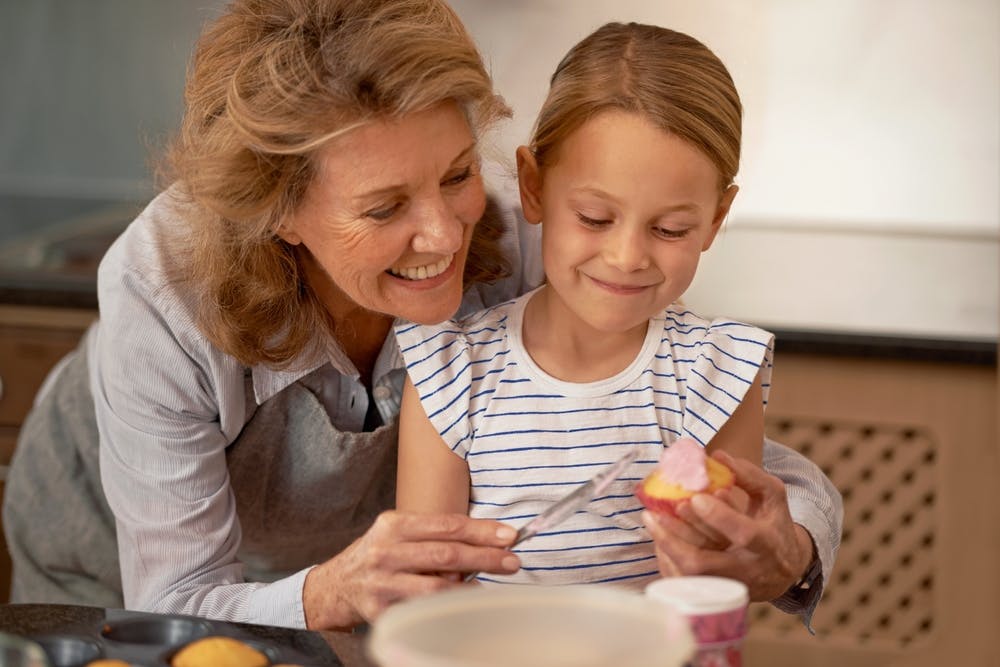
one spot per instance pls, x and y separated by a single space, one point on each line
726 361
438 362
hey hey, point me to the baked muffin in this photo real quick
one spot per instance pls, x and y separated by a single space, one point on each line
219 652
684 470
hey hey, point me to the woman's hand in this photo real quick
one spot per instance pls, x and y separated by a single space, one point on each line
744 533
402 555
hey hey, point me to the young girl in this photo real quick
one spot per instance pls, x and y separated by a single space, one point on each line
630 173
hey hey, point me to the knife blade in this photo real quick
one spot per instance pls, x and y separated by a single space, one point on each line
571 503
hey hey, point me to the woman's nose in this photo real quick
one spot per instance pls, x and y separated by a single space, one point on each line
627 249
440 230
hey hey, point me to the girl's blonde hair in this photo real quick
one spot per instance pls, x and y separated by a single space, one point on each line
669 78
270 83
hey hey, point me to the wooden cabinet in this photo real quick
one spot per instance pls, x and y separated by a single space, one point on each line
32 341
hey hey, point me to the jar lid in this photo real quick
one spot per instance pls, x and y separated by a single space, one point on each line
700 595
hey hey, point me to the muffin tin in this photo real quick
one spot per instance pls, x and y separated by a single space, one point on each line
74 636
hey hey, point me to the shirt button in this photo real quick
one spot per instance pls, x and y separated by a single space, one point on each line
380 393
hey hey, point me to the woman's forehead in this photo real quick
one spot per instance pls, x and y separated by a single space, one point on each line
383 150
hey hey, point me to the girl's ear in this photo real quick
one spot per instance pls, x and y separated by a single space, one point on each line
529 183
725 203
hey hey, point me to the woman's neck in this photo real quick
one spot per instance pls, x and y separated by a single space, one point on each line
359 331
361 336
566 348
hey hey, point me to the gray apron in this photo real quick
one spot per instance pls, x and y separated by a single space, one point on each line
304 491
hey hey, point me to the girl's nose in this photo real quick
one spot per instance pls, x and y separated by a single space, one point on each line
627 249
440 230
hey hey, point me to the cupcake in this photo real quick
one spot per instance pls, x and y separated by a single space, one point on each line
684 470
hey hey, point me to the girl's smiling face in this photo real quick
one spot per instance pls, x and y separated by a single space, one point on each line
626 211
388 219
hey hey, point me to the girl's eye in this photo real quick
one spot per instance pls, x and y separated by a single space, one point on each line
592 222
664 232
383 214
460 177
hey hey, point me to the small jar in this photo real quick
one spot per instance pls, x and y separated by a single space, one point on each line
716 608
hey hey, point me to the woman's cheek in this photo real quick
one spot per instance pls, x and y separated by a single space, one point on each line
470 203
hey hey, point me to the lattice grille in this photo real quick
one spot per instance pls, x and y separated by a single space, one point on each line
883 581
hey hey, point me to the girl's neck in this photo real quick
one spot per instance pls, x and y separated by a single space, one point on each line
567 348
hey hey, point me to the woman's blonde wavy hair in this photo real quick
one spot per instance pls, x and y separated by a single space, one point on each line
668 77
270 83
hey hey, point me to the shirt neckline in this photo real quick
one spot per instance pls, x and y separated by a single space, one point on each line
268 382
603 387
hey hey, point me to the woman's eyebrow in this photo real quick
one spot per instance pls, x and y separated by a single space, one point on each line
390 189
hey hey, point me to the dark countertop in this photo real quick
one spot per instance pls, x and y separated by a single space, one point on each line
50 247
906 348
147 638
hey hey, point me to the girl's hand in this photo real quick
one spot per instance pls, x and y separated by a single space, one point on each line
745 534
400 556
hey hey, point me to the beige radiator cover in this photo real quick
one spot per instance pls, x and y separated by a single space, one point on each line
913 448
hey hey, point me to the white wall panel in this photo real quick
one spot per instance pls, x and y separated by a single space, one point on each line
870 176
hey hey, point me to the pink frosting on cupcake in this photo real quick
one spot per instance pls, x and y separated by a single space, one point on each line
683 463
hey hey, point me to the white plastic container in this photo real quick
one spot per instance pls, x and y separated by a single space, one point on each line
531 626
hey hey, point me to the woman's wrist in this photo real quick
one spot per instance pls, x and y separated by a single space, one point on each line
323 606
806 553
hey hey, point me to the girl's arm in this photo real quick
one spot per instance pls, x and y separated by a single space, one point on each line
431 478
743 433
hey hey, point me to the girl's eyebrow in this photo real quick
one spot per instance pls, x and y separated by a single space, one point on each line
684 207
390 189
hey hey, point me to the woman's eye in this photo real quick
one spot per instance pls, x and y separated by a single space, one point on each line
384 213
592 222
460 177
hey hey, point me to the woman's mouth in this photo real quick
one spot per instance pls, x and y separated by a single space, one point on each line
422 272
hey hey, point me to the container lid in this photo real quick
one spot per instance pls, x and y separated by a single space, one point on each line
700 595
531 626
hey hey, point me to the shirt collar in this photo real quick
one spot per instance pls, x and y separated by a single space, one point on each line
268 382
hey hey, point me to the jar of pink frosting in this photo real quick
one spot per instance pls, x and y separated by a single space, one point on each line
716 609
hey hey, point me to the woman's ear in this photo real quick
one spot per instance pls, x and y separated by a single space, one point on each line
289 237
721 211
286 232
529 183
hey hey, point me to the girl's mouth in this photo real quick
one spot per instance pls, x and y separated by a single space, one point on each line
618 288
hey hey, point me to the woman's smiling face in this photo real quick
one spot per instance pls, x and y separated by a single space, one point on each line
388 219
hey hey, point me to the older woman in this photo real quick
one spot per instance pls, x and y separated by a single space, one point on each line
223 442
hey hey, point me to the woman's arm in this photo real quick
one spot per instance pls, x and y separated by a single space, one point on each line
163 467
430 477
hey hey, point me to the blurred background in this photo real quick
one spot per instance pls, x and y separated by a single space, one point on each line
870 180
869 184
865 234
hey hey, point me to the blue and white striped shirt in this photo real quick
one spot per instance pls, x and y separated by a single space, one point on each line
529 438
